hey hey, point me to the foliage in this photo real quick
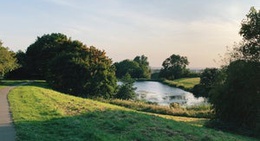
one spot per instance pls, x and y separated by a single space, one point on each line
22 72
71 67
207 80
88 74
43 114
127 67
195 111
42 51
144 66
126 89
250 31
137 68
236 96
8 62
174 67
236 101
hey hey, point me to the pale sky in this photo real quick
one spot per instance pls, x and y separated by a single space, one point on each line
198 29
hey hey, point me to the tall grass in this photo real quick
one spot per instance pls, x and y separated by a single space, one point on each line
193 111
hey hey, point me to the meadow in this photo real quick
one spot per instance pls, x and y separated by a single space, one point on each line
40 113
184 83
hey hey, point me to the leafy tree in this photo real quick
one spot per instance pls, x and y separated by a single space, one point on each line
44 49
236 96
174 67
144 66
137 68
8 62
127 67
251 36
126 90
86 74
207 80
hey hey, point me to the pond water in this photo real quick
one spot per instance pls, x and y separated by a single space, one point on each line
164 95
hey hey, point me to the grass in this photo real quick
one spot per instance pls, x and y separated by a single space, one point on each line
4 83
201 111
185 83
42 114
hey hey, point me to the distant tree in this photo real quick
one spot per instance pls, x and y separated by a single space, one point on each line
8 62
144 66
207 80
127 67
126 89
236 96
174 67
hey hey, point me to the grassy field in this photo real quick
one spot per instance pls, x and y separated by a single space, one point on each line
186 83
42 114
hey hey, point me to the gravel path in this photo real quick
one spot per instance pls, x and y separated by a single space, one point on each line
7 131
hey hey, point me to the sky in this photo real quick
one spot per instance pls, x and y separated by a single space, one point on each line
201 30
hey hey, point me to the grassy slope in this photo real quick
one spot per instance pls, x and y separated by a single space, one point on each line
186 83
44 114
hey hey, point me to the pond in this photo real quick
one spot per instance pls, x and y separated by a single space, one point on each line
164 95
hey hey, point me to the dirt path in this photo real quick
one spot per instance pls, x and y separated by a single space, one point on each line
7 131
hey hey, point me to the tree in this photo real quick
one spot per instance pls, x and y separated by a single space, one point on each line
174 67
86 74
207 80
236 96
144 66
44 49
127 67
251 36
8 61
126 89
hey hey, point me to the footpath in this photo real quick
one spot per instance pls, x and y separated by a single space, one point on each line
7 131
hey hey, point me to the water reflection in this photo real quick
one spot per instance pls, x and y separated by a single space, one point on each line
163 94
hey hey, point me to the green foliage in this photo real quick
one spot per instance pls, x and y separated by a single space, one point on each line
42 51
207 80
236 96
71 67
194 111
88 74
144 66
174 67
137 68
8 62
236 100
126 89
250 31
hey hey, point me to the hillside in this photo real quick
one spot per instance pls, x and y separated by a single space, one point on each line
40 113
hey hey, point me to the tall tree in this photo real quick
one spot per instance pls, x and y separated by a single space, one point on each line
207 80
8 61
127 67
251 36
174 67
236 96
42 51
144 66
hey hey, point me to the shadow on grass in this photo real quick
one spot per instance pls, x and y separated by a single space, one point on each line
108 125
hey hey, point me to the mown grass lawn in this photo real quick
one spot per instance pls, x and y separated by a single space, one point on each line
42 114
186 83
